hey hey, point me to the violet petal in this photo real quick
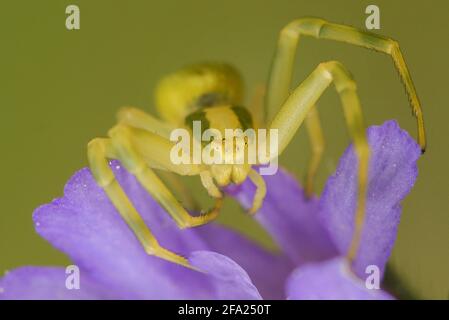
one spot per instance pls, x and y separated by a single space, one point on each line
46 283
289 217
393 172
267 270
228 279
86 226
330 280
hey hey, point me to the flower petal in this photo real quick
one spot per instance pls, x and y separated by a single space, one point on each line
330 280
46 283
249 255
392 174
228 279
267 270
86 226
289 217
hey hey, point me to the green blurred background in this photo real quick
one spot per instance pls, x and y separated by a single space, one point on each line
61 88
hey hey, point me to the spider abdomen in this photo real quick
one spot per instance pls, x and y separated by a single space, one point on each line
196 87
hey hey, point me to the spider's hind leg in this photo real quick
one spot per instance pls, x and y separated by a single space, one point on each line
99 150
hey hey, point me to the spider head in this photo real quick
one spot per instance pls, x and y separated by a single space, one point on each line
232 159
225 174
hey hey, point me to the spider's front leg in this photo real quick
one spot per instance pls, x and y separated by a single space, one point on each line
99 150
137 150
314 133
282 68
137 118
302 100
316 142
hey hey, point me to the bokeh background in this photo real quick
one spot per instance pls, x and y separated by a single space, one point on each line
61 88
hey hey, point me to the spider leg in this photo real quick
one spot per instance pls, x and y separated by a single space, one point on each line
137 118
261 190
317 145
99 150
314 134
138 150
282 67
182 192
256 106
295 109
208 183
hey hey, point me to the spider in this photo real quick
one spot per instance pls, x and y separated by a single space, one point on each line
212 93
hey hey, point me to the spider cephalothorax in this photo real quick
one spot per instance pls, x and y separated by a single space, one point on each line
211 95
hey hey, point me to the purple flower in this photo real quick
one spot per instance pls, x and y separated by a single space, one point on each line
314 235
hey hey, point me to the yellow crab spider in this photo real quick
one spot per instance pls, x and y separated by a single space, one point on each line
212 93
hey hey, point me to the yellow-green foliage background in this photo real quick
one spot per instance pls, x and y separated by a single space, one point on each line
61 88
